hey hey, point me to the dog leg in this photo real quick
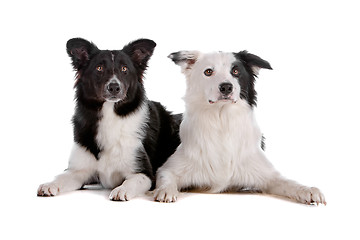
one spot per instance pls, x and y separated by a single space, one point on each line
134 185
80 171
171 177
166 187
69 181
269 181
291 189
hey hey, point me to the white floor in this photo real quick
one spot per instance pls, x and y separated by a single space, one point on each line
88 214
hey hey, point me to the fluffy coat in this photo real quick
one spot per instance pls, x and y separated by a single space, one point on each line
120 137
221 142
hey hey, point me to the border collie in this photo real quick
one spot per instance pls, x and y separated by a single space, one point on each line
121 138
221 143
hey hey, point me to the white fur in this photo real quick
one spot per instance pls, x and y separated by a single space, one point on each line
206 87
119 138
220 147
134 185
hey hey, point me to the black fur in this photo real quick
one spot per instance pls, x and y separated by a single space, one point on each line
246 62
94 68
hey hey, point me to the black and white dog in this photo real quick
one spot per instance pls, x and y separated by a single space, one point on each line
121 138
221 142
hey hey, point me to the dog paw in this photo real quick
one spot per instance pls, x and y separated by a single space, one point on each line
167 195
121 194
310 195
48 190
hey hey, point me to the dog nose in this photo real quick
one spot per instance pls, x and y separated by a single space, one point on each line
226 88
113 88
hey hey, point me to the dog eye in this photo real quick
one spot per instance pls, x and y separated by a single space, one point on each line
124 69
208 72
99 68
236 72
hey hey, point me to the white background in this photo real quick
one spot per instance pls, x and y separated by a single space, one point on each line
307 108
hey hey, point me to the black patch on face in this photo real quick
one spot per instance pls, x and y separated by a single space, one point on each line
246 77
246 81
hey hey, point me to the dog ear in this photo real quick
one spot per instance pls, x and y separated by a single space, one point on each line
80 52
255 62
185 59
140 52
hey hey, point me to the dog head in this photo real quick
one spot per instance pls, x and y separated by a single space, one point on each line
220 78
103 75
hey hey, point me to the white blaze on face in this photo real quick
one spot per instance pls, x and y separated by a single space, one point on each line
206 86
114 90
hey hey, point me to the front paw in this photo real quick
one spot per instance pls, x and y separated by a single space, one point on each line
121 194
166 194
310 195
48 190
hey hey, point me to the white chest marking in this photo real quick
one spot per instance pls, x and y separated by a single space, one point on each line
218 143
119 139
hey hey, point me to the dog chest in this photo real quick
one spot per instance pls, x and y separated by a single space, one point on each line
219 143
119 139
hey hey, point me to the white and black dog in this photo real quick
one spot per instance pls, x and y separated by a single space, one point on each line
121 138
221 143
